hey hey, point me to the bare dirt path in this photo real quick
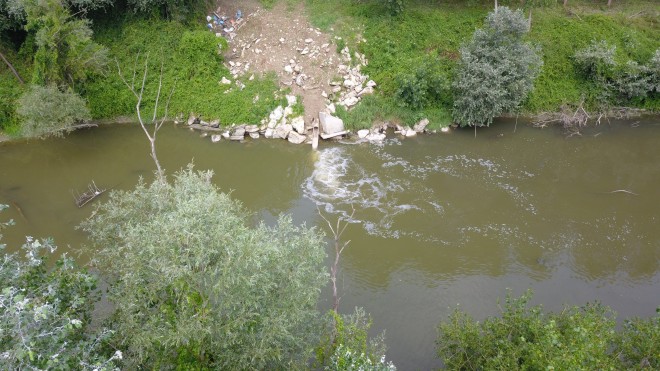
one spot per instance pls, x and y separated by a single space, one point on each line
281 40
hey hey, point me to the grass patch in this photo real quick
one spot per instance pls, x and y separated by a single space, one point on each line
378 108
192 61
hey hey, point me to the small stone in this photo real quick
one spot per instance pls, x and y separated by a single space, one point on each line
408 132
288 111
421 125
336 89
269 133
324 94
362 133
351 101
225 81
297 68
252 78
216 138
367 90
296 138
239 131
371 83
288 69
251 128
281 40
331 108
298 124
277 113
291 100
254 135
308 41
349 83
215 123
325 45
305 51
299 80
282 131
445 129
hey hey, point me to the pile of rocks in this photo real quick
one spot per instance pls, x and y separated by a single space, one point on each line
349 91
280 123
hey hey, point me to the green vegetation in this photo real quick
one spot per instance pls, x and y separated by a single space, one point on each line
45 315
57 48
526 338
48 111
346 345
195 286
496 71
429 31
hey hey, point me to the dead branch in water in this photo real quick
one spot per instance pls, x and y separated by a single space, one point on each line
624 191
337 231
573 120
82 199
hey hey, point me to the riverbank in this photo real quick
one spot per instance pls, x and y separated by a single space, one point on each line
244 79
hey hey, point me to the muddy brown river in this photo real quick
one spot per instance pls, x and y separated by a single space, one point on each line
440 221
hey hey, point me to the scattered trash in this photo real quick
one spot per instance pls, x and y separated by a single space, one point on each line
222 25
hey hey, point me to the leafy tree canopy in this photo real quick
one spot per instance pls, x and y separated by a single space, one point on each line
194 284
496 71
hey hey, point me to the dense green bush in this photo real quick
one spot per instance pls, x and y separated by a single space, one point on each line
525 338
426 85
496 71
48 111
639 343
617 83
346 345
195 286
597 60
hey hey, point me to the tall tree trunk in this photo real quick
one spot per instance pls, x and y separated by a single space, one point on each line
11 68
565 2
609 3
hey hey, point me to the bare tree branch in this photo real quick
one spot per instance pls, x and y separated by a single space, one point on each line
157 124
337 231
11 68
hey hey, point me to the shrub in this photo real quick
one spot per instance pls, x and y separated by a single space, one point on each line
394 7
346 344
425 86
597 60
496 71
525 338
48 111
639 343
634 81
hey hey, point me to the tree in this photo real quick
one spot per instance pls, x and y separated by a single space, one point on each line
195 286
65 51
48 111
45 314
496 71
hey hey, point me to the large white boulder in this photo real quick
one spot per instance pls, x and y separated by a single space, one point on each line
330 124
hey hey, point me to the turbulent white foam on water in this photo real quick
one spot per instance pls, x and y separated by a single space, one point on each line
382 194
338 185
